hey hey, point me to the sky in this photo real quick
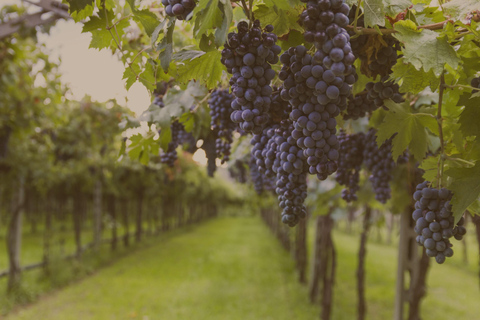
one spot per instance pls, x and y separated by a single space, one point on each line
90 71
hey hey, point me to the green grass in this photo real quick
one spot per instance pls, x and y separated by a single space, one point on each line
234 268
228 268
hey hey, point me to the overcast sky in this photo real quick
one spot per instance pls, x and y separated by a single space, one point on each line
90 71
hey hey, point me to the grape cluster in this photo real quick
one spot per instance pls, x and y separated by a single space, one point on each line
475 83
248 56
179 8
290 167
359 106
434 221
357 43
349 163
210 152
380 164
187 139
221 124
325 22
279 109
238 172
158 101
378 92
383 59
317 96
256 176
169 156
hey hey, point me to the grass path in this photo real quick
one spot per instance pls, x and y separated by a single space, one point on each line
228 268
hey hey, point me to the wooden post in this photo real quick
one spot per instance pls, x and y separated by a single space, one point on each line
14 239
97 214
362 252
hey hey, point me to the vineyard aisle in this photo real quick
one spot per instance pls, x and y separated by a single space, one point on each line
228 268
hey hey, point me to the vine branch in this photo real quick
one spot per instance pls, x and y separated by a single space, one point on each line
360 30
441 160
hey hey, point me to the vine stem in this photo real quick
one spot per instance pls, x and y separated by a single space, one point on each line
441 160
461 86
247 11
359 30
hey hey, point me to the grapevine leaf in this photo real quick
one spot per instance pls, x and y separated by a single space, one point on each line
460 9
475 95
179 101
413 80
165 137
470 116
465 188
292 39
222 31
374 13
188 121
207 69
282 20
97 26
147 77
424 48
130 75
166 45
187 55
146 18
207 16
394 7
430 166
408 128
79 5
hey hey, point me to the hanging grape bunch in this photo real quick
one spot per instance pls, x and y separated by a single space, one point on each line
256 176
434 221
248 55
350 163
179 8
475 83
290 167
221 124
325 22
379 163
169 156
316 96
359 106
385 89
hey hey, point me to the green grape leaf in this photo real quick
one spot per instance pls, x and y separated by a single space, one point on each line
221 33
187 55
460 9
207 16
465 188
470 117
97 26
188 121
282 20
374 12
412 80
131 75
394 7
147 19
165 137
207 69
408 128
79 5
166 45
425 48
147 77
430 166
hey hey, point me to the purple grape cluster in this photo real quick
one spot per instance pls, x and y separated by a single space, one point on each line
325 22
475 83
179 8
290 167
378 92
158 101
359 106
169 156
221 124
380 164
317 96
434 221
238 171
248 56
384 58
350 163
256 176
